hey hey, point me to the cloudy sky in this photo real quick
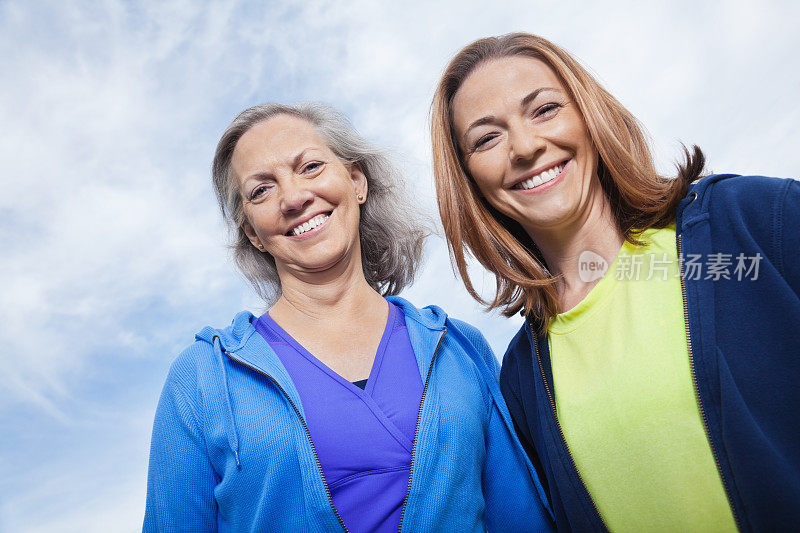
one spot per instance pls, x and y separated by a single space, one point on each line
112 249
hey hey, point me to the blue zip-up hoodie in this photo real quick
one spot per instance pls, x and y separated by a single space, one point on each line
231 451
744 339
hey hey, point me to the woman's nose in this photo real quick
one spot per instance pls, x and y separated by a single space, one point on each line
295 198
524 143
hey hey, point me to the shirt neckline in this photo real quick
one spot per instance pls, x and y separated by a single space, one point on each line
569 321
377 362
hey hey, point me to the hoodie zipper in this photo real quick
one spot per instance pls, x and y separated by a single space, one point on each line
560 429
697 389
308 434
416 431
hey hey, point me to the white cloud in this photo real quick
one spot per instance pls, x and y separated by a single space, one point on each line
113 249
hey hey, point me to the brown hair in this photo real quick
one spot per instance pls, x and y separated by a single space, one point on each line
639 197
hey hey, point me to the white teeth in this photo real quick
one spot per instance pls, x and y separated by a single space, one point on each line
539 179
310 224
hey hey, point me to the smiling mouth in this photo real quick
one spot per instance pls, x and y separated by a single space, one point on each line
309 225
542 178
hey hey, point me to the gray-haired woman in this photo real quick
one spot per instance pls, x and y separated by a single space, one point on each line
343 407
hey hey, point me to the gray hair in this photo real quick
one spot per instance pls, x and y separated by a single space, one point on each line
390 230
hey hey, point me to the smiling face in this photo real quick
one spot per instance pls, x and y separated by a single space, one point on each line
300 199
525 144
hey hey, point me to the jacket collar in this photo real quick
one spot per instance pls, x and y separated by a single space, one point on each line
698 199
242 343
233 336
431 317
426 327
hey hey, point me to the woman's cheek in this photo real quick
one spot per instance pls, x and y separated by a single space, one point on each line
488 172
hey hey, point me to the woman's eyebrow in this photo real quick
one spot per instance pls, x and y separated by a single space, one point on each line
293 161
533 94
488 119
299 157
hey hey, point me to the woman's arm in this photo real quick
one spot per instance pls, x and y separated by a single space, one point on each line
515 500
180 480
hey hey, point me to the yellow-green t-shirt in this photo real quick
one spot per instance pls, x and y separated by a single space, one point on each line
625 399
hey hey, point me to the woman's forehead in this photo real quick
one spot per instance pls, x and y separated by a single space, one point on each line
500 83
274 142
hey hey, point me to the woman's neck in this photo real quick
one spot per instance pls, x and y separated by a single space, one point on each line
339 294
335 315
594 231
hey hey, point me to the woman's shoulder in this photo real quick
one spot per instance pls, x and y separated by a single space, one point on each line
747 203
743 191
468 338
471 332
199 361
763 211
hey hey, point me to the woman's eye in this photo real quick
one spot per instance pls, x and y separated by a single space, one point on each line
312 166
546 109
259 191
482 141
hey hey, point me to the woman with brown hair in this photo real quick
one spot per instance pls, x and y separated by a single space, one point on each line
650 383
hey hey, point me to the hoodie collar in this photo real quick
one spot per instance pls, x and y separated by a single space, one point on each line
693 207
242 343
431 317
426 328
232 337
235 336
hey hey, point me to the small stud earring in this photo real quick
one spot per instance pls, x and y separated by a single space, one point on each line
360 198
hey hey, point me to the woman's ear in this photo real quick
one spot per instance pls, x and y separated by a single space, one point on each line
359 181
251 234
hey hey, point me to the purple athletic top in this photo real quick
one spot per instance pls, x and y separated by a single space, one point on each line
363 437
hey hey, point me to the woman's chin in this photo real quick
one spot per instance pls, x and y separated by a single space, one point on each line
318 263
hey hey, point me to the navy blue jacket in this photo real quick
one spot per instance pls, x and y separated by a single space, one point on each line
744 341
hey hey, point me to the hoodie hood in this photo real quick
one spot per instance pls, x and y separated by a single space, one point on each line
432 317
232 337
224 341
698 199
